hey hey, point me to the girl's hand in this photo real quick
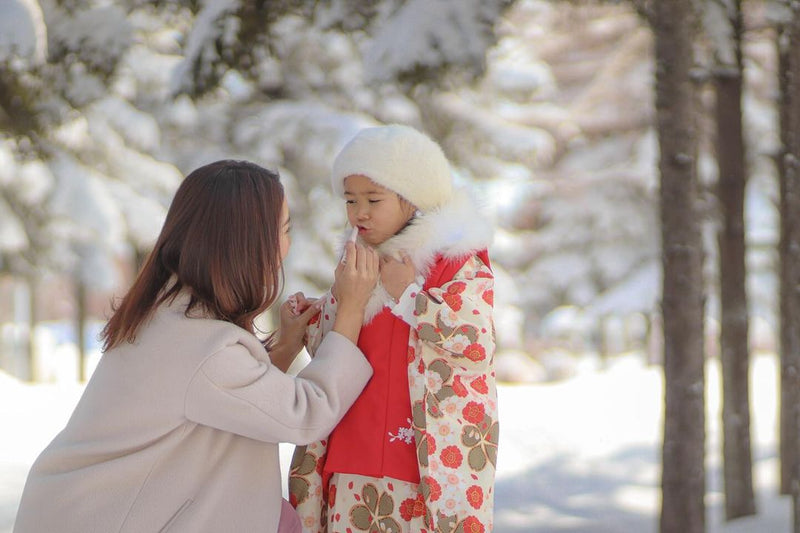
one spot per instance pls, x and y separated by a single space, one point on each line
299 303
294 321
396 275
295 314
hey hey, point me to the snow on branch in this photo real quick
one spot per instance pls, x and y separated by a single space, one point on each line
431 34
718 20
213 23
23 33
779 12
97 36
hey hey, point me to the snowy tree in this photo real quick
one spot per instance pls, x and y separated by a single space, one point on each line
544 109
315 81
314 84
413 40
551 105
67 186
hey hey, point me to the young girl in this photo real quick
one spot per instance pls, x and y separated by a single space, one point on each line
178 427
417 450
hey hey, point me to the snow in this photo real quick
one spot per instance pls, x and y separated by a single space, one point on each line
12 234
425 33
200 51
580 455
22 30
717 20
101 33
779 11
637 293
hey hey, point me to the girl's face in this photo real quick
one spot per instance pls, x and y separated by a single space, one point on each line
377 212
285 239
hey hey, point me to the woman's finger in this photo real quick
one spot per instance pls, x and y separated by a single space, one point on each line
375 260
312 310
362 252
349 252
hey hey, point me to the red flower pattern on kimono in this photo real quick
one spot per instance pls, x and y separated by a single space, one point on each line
475 352
451 457
479 385
474 413
459 388
488 297
472 525
475 496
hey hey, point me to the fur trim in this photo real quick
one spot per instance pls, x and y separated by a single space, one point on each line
399 158
454 229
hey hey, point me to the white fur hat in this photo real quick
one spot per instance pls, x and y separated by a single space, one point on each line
399 158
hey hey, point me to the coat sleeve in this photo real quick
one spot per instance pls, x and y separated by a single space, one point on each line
233 391
456 318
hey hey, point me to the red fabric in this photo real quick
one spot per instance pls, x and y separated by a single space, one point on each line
445 270
361 443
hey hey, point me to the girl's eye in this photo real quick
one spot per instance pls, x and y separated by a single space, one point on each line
349 202
374 201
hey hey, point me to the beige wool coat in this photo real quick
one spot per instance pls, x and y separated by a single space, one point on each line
178 432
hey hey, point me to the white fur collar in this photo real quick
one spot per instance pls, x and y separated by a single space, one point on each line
455 229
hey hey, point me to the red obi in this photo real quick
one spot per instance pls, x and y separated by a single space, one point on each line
376 438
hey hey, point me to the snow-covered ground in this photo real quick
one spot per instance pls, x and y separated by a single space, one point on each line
580 455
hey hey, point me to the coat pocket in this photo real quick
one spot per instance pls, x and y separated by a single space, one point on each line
174 518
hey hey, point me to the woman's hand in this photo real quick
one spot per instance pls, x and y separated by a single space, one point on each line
294 313
356 276
396 275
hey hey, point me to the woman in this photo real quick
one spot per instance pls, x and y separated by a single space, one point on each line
178 428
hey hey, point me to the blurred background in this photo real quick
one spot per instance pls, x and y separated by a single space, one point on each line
546 110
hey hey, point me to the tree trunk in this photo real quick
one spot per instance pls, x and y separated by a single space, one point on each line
790 268
789 337
33 320
735 354
80 327
674 24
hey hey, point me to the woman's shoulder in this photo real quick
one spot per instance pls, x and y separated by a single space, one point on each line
194 331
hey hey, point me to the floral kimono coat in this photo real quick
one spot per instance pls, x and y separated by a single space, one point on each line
451 380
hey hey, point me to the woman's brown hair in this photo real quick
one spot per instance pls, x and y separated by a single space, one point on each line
221 241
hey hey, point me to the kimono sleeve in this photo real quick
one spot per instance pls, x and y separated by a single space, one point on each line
456 319
321 324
